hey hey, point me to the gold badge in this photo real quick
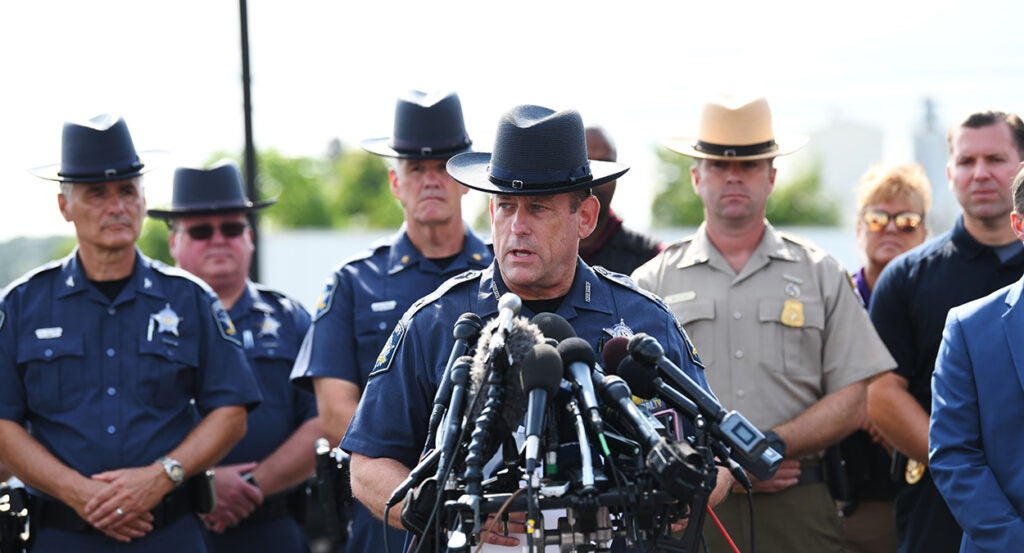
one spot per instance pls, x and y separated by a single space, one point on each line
792 313
914 471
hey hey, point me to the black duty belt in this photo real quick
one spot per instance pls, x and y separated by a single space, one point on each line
272 508
48 513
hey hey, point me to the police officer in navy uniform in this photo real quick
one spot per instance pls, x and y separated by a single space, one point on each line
367 294
541 208
211 238
121 379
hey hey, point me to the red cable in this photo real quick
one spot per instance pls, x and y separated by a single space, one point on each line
721 529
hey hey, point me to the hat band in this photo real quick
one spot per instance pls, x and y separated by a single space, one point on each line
411 147
99 170
520 180
736 151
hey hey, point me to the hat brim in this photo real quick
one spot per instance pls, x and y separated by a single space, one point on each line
52 172
380 147
472 170
212 210
786 145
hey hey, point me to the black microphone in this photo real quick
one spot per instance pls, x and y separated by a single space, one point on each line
553 326
616 393
646 384
743 437
540 377
466 330
578 360
453 421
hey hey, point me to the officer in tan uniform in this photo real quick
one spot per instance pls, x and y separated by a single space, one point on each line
783 335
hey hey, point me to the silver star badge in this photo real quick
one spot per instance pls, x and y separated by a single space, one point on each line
167 320
269 326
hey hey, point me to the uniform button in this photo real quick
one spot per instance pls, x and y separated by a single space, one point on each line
111 311
48 352
739 354
737 315
111 429
383 326
740 393
110 352
111 391
270 352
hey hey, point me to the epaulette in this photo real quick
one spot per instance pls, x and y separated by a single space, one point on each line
44 268
167 270
627 282
387 354
798 240
285 300
441 290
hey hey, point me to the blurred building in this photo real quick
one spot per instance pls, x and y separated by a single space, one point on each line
931 151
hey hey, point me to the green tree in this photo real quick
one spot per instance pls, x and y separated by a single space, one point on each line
798 201
363 195
153 240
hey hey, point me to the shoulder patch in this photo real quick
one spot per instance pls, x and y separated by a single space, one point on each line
224 323
3 317
387 353
326 299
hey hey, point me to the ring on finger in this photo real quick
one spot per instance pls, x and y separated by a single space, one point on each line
119 511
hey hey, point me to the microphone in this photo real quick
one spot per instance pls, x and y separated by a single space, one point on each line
617 394
453 420
553 326
466 330
645 383
578 359
520 341
743 437
540 377
508 307
613 353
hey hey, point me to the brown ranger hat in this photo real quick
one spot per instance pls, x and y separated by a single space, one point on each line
734 128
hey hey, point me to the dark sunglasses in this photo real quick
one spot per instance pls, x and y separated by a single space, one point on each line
877 220
228 229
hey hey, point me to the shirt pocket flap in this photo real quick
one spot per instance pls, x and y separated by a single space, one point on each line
34 349
802 313
174 350
694 310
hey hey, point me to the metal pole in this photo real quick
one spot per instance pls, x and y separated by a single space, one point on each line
250 150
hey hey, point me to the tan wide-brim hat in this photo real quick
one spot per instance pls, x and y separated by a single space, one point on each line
736 128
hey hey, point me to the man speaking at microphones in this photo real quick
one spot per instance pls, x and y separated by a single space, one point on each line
541 207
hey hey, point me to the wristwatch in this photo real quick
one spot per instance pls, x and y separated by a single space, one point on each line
173 469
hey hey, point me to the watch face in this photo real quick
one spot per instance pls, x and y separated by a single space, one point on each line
177 473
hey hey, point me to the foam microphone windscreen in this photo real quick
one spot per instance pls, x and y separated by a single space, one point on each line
613 353
523 336
553 326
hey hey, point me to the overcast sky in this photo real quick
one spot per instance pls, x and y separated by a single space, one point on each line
325 69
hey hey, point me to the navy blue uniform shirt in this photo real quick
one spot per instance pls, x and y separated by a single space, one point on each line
360 305
107 384
409 368
271 327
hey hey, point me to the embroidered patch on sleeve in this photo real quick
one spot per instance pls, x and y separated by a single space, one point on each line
224 323
326 299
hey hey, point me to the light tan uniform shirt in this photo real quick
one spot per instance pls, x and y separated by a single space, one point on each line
775 338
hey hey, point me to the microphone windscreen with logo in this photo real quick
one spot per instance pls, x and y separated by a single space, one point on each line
613 353
553 326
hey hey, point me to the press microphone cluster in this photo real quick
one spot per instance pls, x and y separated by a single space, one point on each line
746 441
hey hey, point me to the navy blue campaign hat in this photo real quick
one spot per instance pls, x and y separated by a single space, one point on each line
97 150
537 151
427 126
218 189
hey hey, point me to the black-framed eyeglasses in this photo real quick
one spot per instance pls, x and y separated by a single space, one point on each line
905 221
228 229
